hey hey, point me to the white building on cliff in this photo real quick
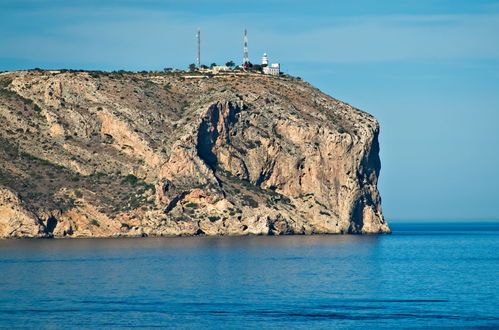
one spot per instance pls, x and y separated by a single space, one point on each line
272 69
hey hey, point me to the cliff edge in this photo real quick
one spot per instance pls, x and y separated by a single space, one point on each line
93 154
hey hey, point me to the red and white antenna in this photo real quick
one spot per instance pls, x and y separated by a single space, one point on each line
245 56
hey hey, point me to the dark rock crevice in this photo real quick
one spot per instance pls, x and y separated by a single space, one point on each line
356 219
207 135
217 124
367 174
51 224
175 200
371 164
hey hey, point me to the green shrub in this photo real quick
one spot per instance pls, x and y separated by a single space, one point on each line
249 201
213 218
136 201
131 179
241 151
36 108
253 144
150 187
5 82
3 178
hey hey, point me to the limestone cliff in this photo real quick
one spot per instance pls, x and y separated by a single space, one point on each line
127 154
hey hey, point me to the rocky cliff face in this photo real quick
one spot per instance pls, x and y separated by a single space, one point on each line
122 154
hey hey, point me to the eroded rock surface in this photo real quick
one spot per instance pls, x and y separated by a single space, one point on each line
121 154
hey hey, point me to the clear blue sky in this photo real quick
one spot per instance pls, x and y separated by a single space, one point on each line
427 69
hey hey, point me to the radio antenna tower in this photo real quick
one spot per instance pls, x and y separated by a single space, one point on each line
198 36
245 56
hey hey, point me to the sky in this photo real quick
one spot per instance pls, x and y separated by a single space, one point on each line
428 70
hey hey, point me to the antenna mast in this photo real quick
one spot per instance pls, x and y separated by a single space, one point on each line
245 56
198 36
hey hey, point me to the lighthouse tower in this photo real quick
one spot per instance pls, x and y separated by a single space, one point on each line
265 59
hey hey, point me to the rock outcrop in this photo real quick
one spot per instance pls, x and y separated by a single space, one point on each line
92 154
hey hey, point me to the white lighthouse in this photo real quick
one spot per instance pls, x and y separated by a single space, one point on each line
265 59
273 69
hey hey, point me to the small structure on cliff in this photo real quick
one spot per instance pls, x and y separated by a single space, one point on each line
219 68
274 69
265 59
269 69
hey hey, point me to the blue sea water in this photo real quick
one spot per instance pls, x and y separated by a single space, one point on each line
421 276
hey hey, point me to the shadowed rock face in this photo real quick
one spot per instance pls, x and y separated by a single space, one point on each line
110 154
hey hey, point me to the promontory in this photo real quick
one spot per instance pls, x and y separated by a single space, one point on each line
108 154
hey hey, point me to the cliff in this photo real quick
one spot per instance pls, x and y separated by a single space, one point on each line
92 154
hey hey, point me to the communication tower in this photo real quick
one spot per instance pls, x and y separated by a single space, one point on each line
198 36
245 56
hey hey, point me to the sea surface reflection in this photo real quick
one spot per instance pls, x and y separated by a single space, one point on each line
181 242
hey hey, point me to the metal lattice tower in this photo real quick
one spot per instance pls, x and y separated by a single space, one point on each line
198 36
245 56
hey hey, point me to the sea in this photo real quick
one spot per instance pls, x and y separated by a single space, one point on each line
428 275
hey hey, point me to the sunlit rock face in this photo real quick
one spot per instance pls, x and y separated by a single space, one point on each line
89 154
